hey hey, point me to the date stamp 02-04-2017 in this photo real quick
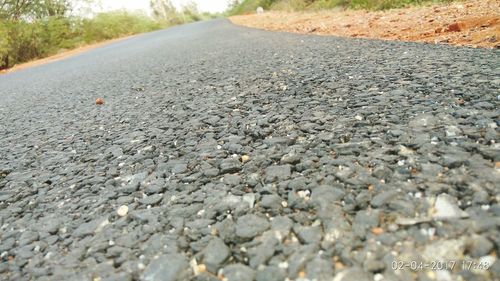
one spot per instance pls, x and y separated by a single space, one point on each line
451 265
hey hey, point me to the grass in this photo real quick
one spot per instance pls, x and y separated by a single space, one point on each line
249 6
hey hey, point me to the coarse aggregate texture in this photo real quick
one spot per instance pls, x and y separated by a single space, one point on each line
250 155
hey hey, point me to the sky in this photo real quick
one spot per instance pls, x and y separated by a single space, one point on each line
132 5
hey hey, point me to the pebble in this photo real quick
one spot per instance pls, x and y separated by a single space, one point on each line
278 173
446 208
271 201
245 158
270 273
249 226
215 254
27 237
122 210
171 267
230 166
238 272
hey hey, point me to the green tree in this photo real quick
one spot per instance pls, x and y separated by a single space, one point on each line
33 9
165 11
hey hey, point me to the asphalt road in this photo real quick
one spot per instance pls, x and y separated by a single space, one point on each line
226 152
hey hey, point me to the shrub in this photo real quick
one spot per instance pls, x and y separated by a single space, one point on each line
249 6
21 41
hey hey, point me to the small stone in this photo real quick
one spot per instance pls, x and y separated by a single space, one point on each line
365 220
271 201
444 250
300 257
377 230
99 101
180 168
319 269
154 188
232 179
278 173
202 268
304 194
290 158
25 252
28 237
446 208
250 199
479 246
373 265
308 234
245 158
51 225
212 172
215 254
383 198
91 227
239 272
230 166
271 273
454 161
170 267
249 226
152 199
122 210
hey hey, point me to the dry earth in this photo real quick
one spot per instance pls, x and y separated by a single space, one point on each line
471 23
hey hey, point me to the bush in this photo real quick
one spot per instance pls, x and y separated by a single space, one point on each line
111 25
4 45
21 41
249 6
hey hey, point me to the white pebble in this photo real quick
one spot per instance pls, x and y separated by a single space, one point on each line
283 265
304 193
446 208
122 211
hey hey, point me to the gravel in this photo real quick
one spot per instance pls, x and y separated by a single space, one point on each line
226 152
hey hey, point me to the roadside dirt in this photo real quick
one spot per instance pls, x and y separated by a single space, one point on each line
61 55
471 23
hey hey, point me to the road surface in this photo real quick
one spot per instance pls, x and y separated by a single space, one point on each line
223 152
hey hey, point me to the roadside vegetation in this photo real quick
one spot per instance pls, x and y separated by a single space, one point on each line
239 7
31 29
